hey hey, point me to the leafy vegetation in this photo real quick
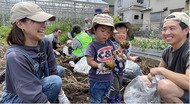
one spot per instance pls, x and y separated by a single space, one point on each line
65 28
150 43
4 31
115 19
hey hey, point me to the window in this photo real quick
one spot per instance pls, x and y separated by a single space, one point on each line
140 1
141 16
136 17
156 16
119 3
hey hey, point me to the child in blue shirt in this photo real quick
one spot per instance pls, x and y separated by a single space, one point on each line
98 52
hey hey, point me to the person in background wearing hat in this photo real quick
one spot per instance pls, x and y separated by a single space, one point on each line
87 23
87 26
174 65
106 11
80 41
122 32
98 11
98 52
31 68
54 38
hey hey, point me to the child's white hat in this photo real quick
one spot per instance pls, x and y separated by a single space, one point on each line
102 19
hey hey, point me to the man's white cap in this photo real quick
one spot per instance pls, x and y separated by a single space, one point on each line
178 16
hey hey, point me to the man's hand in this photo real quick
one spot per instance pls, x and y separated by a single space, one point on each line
57 53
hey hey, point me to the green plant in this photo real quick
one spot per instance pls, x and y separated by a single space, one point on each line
4 31
115 19
150 43
135 28
65 29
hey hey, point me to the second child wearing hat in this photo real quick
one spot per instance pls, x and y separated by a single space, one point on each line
31 68
122 33
175 64
98 52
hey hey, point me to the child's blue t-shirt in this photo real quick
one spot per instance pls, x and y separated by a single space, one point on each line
101 53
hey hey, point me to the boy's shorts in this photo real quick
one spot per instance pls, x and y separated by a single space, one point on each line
185 97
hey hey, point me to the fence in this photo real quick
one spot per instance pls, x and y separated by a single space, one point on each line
75 10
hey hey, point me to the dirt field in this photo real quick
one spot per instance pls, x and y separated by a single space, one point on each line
75 84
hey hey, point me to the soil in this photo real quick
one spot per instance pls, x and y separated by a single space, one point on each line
75 85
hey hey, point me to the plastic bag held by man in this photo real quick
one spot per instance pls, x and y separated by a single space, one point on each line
141 90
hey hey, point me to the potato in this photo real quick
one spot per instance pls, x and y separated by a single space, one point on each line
125 44
110 64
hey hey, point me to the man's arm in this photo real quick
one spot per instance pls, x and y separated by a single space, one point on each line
181 80
162 63
76 44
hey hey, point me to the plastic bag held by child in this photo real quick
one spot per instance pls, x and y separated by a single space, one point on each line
141 90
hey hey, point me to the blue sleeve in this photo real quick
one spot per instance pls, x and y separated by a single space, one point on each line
52 63
21 81
90 51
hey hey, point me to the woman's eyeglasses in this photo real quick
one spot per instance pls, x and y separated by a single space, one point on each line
59 32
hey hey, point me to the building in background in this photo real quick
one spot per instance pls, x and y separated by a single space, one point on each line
130 11
157 10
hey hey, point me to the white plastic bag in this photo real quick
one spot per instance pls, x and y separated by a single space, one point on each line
141 90
65 50
82 66
132 70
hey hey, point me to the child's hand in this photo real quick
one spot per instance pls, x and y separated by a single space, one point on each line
109 65
121 58
135 58
120 55
102 66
